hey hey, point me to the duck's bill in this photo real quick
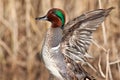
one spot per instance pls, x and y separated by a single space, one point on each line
41 18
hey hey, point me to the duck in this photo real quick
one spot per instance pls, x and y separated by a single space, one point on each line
65 45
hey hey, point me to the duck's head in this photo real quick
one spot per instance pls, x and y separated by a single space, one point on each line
55 16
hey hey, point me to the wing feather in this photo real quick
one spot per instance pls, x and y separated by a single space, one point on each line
77 33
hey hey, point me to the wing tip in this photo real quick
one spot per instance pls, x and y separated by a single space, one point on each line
107 11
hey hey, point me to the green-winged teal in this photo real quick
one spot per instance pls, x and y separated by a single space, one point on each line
66 45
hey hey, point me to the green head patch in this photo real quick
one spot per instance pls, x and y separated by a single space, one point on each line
61 15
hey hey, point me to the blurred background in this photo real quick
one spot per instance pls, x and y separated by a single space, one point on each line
21 38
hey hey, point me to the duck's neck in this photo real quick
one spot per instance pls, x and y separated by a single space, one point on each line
53 37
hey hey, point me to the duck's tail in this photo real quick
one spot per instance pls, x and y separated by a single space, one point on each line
76 72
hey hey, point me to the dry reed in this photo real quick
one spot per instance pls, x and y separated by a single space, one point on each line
21 38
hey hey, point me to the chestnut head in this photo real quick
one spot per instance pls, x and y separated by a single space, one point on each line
55 16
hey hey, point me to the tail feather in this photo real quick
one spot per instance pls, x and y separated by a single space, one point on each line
76 72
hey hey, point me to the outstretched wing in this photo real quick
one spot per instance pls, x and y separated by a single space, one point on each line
77 33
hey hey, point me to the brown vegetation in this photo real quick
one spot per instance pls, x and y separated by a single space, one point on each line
21 37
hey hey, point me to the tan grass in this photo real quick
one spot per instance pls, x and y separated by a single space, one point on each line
21 37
